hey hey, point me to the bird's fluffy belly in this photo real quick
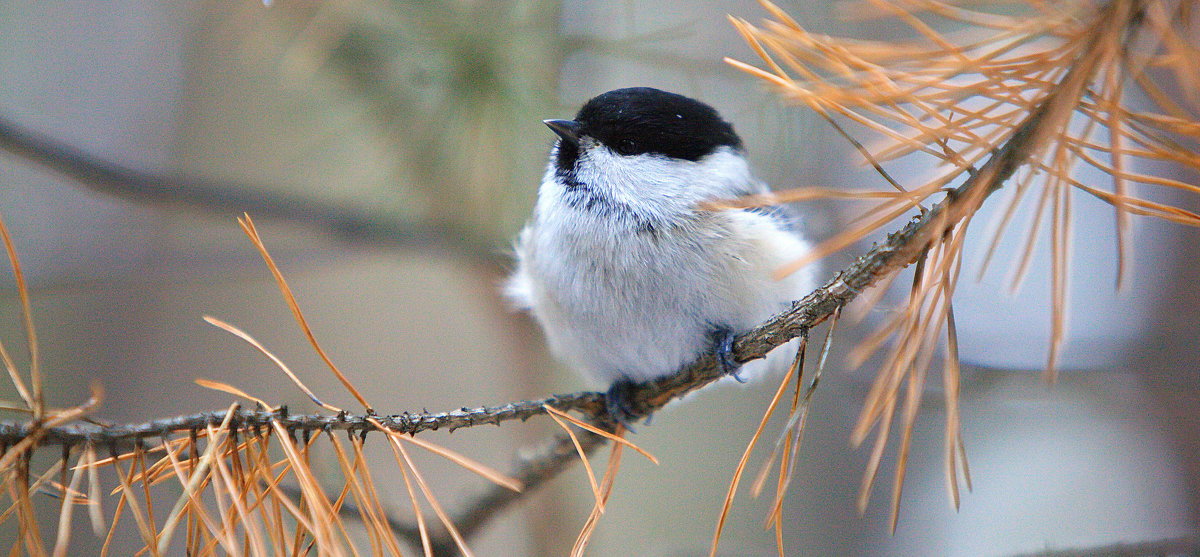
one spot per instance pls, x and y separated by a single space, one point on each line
647 307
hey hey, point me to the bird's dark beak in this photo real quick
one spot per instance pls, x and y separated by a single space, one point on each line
568 130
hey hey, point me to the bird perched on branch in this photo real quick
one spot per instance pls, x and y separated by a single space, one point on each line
628 272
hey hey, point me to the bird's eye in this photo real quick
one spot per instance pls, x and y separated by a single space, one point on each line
625 147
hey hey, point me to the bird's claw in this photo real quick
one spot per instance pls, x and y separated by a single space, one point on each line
618 398
620 407
724 354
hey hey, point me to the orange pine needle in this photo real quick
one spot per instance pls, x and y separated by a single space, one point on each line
741 466
372 496
378 530
274 359
486 472
317 514
428 493
252 232
606 485
615 438
793 431
129 499
190 497
34 399
583 459
230 389
426 544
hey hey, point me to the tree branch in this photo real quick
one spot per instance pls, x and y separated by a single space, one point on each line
1185 545
356 223
533 469
589 403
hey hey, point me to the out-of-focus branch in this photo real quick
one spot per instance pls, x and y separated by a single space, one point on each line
353 223
533 470
1186 545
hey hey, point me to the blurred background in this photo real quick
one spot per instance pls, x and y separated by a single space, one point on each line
391 150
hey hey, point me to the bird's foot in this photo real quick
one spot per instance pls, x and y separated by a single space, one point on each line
723 350
619 404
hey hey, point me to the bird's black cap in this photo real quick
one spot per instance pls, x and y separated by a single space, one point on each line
641 120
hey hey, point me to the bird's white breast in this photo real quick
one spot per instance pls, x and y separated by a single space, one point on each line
633 290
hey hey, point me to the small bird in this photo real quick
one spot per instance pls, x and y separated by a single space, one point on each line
626 271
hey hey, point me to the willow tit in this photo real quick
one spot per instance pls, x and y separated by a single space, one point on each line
629 276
